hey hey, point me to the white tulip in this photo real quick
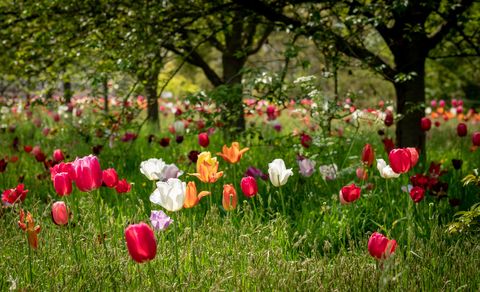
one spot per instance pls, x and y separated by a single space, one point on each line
170 195
278 172
385 170
153 168
179 127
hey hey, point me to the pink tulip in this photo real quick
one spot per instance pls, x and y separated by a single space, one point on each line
62 184
60 213
381 247
58 155
88 174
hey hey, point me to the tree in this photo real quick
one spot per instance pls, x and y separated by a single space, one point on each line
409 29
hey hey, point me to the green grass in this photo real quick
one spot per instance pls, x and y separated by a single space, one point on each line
319 245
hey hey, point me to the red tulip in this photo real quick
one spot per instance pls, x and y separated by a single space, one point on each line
63 167
28 148
62 184
413 156
123 186
349 194
462 130
388 118
388 144
305 140
203 139
425 124
476 138
249 186
60 213
15 195
58 155
417 194
88 174
381 247
141 242
400 160
229 200
368 155
110 177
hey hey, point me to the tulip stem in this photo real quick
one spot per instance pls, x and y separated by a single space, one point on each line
175 242
30 260
284 210
192 232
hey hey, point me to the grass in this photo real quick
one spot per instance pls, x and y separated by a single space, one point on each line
318 245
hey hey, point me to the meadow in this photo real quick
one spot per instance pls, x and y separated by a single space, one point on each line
298 231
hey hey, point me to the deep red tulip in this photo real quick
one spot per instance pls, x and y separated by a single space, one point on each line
164 142
305 140
476 138
368 155
249 186
425 124
88 174
40 156
13 159
58 155
28 148
388 118
141 242
123 186
62 184
349 194
110 177
3 165
462 130
15 195
400 160
203 139
388 144
381 247
417 194
60 213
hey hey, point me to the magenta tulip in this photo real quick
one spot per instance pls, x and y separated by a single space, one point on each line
62 184
249 186
88 174
141 242
381 247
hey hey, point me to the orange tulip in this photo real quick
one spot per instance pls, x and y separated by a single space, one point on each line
191 197
229 200
207 168
30 228
232 154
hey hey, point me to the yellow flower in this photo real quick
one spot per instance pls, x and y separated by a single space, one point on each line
191 197
207 168
232 154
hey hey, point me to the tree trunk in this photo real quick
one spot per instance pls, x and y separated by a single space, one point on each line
233 116
152 97
105 94
67 90
410 98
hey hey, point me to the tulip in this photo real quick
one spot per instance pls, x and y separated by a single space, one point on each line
15 195
278 172
141 242
207 168
400 160
110 177
329 171
425 124
305 140
179 127
164 142
63 167
232 154
388 144
417 194
307 167
28 225
171 171
388 118
385 170
88 174
123 186
60 213
3 165
193 156
191 196
249 186
203 140
457 163
170 194
413 156
476 139
27 148
349 194
381 247
152 168
58 155
368 155
62 184
160 221
230 198
462 130
361 173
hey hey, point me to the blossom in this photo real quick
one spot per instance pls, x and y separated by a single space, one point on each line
255 172
400 160
63 167
60 213
417 194
381 247
207 168
141 242
110 177
170 194
123 186
425 124
28 225
15 195
307 167
385 170
160 221
368 155
152 168
349 194
329 171
191 196
229 198
249 186
462 130
203 140
88 174
170 171
62 184
278 172
232 154
58 155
